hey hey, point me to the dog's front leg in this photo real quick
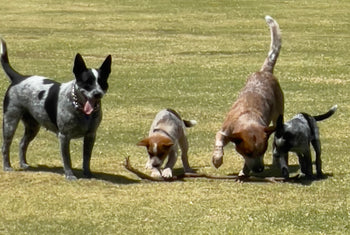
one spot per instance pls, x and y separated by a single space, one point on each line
65 153
89 141
220 142
306 163
168 169
243 174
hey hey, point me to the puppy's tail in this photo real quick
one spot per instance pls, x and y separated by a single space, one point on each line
190 123
14 76
275 45
326 115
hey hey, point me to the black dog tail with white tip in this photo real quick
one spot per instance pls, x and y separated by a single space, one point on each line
275 45
189 123
326 115
14 76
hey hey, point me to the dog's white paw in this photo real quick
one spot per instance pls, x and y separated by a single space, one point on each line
167 173
71 177
156 173
218 154
148 165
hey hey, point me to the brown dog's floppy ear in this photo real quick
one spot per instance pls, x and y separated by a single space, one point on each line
144 142
269 130
236 138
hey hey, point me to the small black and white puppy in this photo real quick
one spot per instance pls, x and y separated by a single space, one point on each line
296 136
71 109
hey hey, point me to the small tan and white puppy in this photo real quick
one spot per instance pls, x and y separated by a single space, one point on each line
167 133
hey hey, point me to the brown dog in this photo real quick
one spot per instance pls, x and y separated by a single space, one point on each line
166 135
259 102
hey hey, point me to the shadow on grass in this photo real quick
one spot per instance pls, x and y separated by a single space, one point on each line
115 179
271 171
270 174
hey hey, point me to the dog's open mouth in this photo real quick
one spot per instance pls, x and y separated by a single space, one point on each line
83 103
89 106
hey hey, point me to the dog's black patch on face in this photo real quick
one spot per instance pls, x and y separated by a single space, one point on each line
86 80
51 101
41 94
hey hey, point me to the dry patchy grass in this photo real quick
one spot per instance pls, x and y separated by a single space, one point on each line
193 56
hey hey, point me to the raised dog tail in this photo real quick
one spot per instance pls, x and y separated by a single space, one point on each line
187 123
14 76
275 45
326 115
190 123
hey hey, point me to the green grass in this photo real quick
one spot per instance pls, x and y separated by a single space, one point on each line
193 56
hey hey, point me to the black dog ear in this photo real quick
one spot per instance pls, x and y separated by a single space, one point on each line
106 67
79 65
279 126
279 121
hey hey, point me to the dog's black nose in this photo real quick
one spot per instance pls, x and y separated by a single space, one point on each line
98 95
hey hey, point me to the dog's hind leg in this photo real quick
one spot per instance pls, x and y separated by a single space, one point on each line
65 152
317 146
10 123
221 141
306 163
32 128
184 154
89 142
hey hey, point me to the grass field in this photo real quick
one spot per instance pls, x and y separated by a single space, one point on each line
193 56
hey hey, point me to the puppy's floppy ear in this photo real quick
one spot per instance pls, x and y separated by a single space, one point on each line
106 67
144 142
168 143
79 65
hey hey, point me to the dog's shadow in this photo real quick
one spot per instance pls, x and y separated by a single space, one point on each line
111 178
272 171
269 173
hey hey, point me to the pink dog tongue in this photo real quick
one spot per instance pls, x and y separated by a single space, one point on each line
88 108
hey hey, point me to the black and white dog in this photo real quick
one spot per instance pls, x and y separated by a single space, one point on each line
71 110
296 136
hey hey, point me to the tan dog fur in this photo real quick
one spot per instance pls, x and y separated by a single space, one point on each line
259 102
166 135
